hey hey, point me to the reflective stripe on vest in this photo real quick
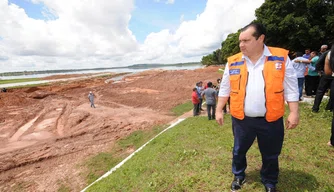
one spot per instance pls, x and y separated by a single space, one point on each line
273 74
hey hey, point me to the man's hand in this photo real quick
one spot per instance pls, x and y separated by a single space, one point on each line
219 110
220 117
292 120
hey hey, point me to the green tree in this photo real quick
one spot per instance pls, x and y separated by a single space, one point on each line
230 46
291 24
208 60
297 24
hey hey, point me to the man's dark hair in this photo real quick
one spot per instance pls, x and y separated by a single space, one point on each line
209 84
259 29
299 54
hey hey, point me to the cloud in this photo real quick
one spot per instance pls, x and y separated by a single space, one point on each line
170 1
195 38
167 2
95 33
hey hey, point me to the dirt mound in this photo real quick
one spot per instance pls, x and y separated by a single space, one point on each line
45 132
40 94
31 89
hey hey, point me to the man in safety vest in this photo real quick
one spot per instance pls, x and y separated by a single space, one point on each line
258 81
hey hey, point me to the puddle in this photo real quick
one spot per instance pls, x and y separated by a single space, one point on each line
42 135
45 123
22 129
4 135
16 145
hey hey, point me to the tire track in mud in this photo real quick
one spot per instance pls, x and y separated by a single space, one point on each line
24 128
61 120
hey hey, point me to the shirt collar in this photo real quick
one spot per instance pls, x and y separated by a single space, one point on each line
266 52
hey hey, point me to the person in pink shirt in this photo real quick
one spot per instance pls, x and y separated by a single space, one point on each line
196 102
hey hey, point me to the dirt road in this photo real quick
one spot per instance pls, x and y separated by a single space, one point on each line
45 132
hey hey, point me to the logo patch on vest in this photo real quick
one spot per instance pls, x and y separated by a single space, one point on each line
234 71
278 66
275 58
237 63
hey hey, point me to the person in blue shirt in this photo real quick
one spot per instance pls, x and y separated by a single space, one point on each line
307 54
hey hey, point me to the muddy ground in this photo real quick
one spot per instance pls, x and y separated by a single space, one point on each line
47 131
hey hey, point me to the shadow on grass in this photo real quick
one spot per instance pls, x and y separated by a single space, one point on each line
289 180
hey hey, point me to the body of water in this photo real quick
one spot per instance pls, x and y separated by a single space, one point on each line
118 70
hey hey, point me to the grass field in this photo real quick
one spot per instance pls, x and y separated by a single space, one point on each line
7 81
196 155
181 109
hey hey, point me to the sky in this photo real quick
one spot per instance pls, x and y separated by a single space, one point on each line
77 34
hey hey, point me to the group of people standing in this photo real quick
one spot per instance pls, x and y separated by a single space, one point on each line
209 93
318 69
310 69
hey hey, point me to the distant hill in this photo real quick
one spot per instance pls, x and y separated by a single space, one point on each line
146 66
135 66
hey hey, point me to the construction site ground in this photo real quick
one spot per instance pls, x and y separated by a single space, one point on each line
47 131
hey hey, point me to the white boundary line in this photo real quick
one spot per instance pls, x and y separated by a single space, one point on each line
129 157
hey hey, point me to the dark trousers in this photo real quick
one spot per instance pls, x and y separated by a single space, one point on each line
332 129
300 86
225 106
311 84
324 85
269 136
211 111
200 103
196 109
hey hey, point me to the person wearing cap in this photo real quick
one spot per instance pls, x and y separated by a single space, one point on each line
210 95
258 81
91 99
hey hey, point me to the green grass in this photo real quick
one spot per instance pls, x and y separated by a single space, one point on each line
100 164
7 81
27 86
183 108
196 155
64 185
103 162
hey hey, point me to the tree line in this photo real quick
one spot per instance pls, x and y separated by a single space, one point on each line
291 24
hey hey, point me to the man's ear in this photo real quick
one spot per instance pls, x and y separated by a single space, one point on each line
261 38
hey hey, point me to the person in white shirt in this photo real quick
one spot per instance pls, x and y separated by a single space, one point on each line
300 68
258 81
91 99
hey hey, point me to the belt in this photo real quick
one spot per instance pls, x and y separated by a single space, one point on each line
258 117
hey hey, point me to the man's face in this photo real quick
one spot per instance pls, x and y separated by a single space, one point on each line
307 51
248 44
313 54
323 49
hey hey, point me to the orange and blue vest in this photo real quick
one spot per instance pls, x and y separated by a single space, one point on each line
273 74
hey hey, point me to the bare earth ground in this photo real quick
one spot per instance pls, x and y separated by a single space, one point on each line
45 132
